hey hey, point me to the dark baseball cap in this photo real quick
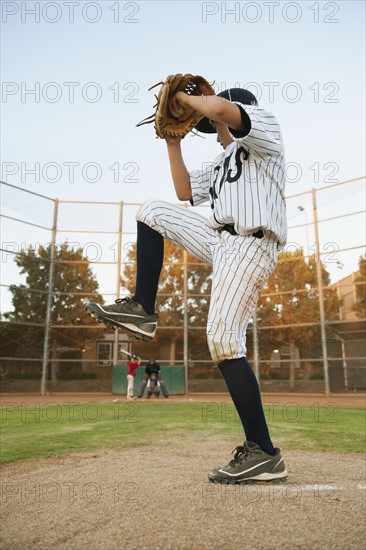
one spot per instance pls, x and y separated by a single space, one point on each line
232 94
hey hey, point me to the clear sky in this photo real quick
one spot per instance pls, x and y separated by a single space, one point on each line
90 64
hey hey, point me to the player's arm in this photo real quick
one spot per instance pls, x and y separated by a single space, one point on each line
178 169
213 107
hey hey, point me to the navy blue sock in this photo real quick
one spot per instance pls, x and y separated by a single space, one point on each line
245 393
150 256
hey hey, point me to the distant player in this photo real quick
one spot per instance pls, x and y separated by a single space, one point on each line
153 370
246 188
133 364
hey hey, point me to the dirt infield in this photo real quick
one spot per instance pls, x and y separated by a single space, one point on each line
158 498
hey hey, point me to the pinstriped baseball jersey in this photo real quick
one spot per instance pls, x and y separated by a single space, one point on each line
241 266
246 183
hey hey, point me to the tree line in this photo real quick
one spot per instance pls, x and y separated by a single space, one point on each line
287 311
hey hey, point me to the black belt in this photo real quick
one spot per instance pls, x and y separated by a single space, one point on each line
230 228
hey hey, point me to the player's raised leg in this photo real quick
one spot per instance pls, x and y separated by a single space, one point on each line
137 315
156 220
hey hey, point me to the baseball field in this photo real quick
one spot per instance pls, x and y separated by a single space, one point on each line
105 473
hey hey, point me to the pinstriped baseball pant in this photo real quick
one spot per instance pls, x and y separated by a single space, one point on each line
240 264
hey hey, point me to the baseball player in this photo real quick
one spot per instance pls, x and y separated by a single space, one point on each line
133 364
240 240
153 368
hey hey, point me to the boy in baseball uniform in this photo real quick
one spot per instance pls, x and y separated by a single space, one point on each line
245 186
133 365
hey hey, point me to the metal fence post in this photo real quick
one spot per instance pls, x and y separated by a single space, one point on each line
118 280
323 331
185 318
255 345
344 358
51 276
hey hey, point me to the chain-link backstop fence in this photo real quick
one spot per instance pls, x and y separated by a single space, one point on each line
308 333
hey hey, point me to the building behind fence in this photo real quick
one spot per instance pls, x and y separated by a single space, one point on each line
322 351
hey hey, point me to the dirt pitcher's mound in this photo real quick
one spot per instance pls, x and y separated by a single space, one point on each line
159 498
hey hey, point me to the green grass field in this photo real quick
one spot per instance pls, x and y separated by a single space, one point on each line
50 430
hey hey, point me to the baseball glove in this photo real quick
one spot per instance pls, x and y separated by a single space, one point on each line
165 119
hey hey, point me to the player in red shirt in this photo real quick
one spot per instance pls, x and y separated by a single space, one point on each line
133 364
